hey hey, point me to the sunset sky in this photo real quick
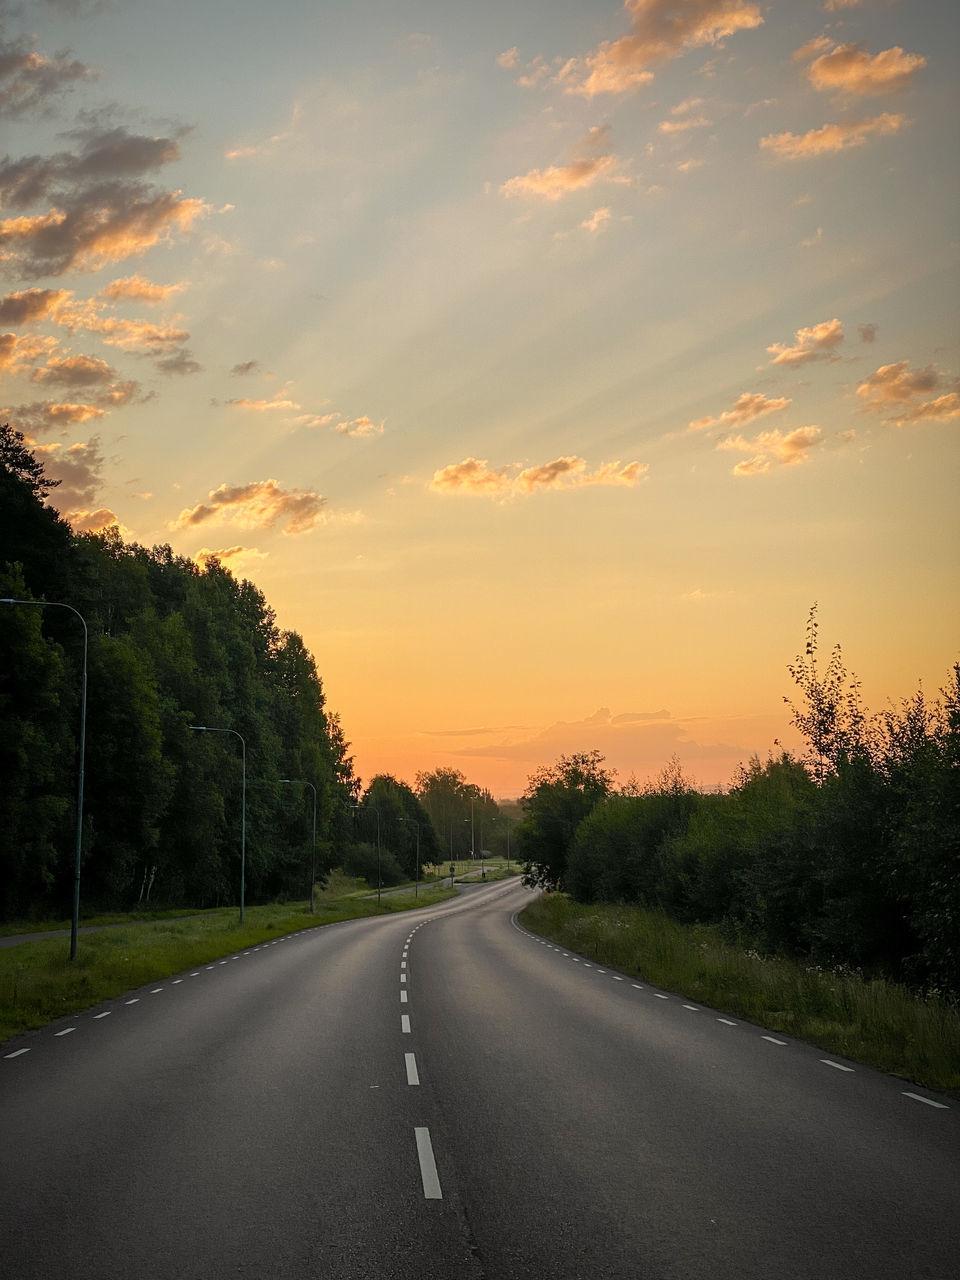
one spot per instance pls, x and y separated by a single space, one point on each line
542 362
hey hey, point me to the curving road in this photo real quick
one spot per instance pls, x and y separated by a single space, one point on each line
441 1095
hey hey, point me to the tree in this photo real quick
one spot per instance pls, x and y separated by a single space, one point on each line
556 801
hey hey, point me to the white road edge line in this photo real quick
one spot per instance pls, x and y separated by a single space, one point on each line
918 1096
66 1031
726 1022
411 1062
428 1166
105 1014
839 1065
16 1053
773 1040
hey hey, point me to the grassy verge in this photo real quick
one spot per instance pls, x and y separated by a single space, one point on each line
874 1022
39 983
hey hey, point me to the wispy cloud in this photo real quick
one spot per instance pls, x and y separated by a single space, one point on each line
850 71
772 448
360 427
747 406
592 163
831 138
474 477
31 82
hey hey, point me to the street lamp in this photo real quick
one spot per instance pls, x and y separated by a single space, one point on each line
377 812
209 728
416 892
302 782
75 918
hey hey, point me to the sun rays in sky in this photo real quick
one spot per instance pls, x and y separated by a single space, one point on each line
542 364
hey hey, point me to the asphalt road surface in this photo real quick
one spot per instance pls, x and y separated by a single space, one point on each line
439 1094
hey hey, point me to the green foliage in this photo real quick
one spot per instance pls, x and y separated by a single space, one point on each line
465 818
170 647
362 860
556 801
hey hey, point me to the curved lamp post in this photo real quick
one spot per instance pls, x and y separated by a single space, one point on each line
377 812
75 918
416 891
209 728
302 782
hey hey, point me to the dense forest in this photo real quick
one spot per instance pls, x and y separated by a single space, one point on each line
847 855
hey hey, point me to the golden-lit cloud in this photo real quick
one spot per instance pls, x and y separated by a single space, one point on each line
771 448
236 557
78 469
30 81
660 30
30 305
17 354
849 69
831 138
130 335
910 395
474 477
592 162
684 124
509 59
819 44
94 521
747 406
261 504
279 401
360 427
49 415
74 371
599 218
818 342
139 289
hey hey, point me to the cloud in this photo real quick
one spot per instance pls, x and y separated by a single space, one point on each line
49 415
849 69
661 30
93 521
180 362
78 469
74 371
831 138
360 427
909 394
772 447
279 401
682 126
17 354
31 304
809 50
30 81
247 367
747 406
261 504
509 59
815 343
867 332
138 289
597 219
235 557
560 180
474 477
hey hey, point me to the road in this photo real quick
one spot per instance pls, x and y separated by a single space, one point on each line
439 1095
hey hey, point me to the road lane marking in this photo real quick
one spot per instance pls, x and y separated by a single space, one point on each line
405 1023
65 1032
403 997
660 996
601 971
636 986
428 1166
176 981
156 991
411 1063
403 977
694 1008
195 975
774 1040
16 1053
586 965
403 964
616 978
134 1001
839 1065
105 1014
726 1022
929 1101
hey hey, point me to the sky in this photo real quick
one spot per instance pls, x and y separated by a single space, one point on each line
542 363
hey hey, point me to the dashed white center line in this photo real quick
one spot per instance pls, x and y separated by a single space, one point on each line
403 997
586 965
16 1053
773 1040
601 971
403 964
411 1063
106 1014
65 1032
839 1065
222 962
403 977
195 975
209 966
919 1098
405 1023
428 1166
726 1022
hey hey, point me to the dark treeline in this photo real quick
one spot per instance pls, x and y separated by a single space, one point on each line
170 646
846 856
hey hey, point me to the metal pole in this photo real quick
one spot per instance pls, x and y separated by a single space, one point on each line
302 782
377 812
209 728
416 892
75 917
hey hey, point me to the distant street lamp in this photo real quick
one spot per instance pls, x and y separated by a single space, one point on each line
302 782
75 918
377 812
209 728
416 891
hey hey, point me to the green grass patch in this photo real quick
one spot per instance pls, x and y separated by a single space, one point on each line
38 982
870 1021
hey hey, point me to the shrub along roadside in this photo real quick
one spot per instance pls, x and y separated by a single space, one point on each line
874 1022
39 983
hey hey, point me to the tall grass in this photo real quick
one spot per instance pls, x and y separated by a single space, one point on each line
39 983
874 1022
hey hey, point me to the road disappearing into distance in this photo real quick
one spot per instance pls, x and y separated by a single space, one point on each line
441 1095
